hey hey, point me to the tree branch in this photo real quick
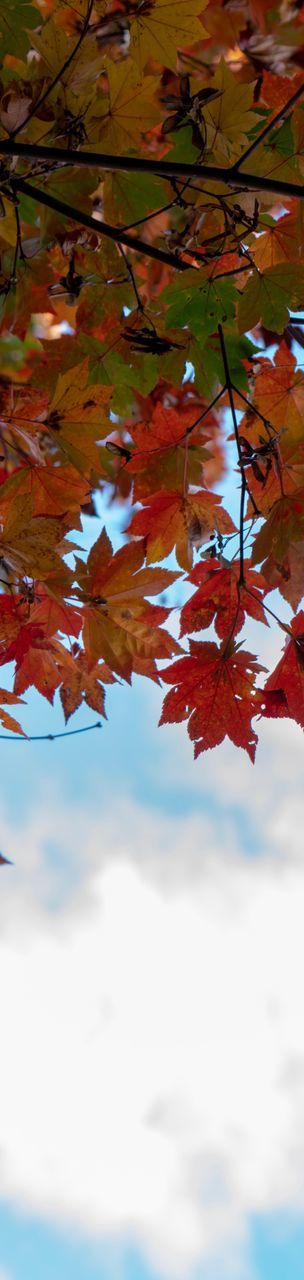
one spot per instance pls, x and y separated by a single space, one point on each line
101 228
231 177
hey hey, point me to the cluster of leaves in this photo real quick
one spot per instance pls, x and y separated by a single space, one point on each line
152 159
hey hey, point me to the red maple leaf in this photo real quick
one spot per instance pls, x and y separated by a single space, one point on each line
221 598
283 694
214 687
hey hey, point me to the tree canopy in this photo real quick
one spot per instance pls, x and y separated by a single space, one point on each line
151 240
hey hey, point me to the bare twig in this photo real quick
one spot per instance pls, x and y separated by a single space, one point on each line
58 77
48 737
244 486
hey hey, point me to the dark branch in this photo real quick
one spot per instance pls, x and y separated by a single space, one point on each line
101 228
163 168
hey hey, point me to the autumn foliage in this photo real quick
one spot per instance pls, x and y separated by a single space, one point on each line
151 240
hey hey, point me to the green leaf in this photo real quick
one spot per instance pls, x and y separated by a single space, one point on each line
16 16
132 196
200 306
269 297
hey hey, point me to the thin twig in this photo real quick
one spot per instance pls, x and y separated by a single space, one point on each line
58 77
203 415
234 271
244 486
48 737
131 275
242 512
253 409
270 126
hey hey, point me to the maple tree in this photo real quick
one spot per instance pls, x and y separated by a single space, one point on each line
151 240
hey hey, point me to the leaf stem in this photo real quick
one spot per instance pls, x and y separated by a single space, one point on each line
253 408
203 415
140 305
284 625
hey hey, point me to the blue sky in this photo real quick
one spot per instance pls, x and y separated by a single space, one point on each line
32 1249
129 857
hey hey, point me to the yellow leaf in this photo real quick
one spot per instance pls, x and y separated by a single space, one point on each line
229 117
27 542
8 224
77 418
7 721
159 29
55 47
127 112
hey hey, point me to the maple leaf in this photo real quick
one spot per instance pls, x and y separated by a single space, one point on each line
229 117
221 598
30 544
159 458
279 393
203 303
53 614
279 243
158 30
119 624
283 694
38 667
76 418
270 296
129 109
214 687
52 493
17 17
54 49
171 520
288 576
284 525
83 683
8 721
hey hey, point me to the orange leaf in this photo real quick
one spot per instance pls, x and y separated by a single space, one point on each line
171 520
119 623
221 599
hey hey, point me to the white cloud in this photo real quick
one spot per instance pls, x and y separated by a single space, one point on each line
152 1030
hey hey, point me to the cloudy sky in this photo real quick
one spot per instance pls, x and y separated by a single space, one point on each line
151 1003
